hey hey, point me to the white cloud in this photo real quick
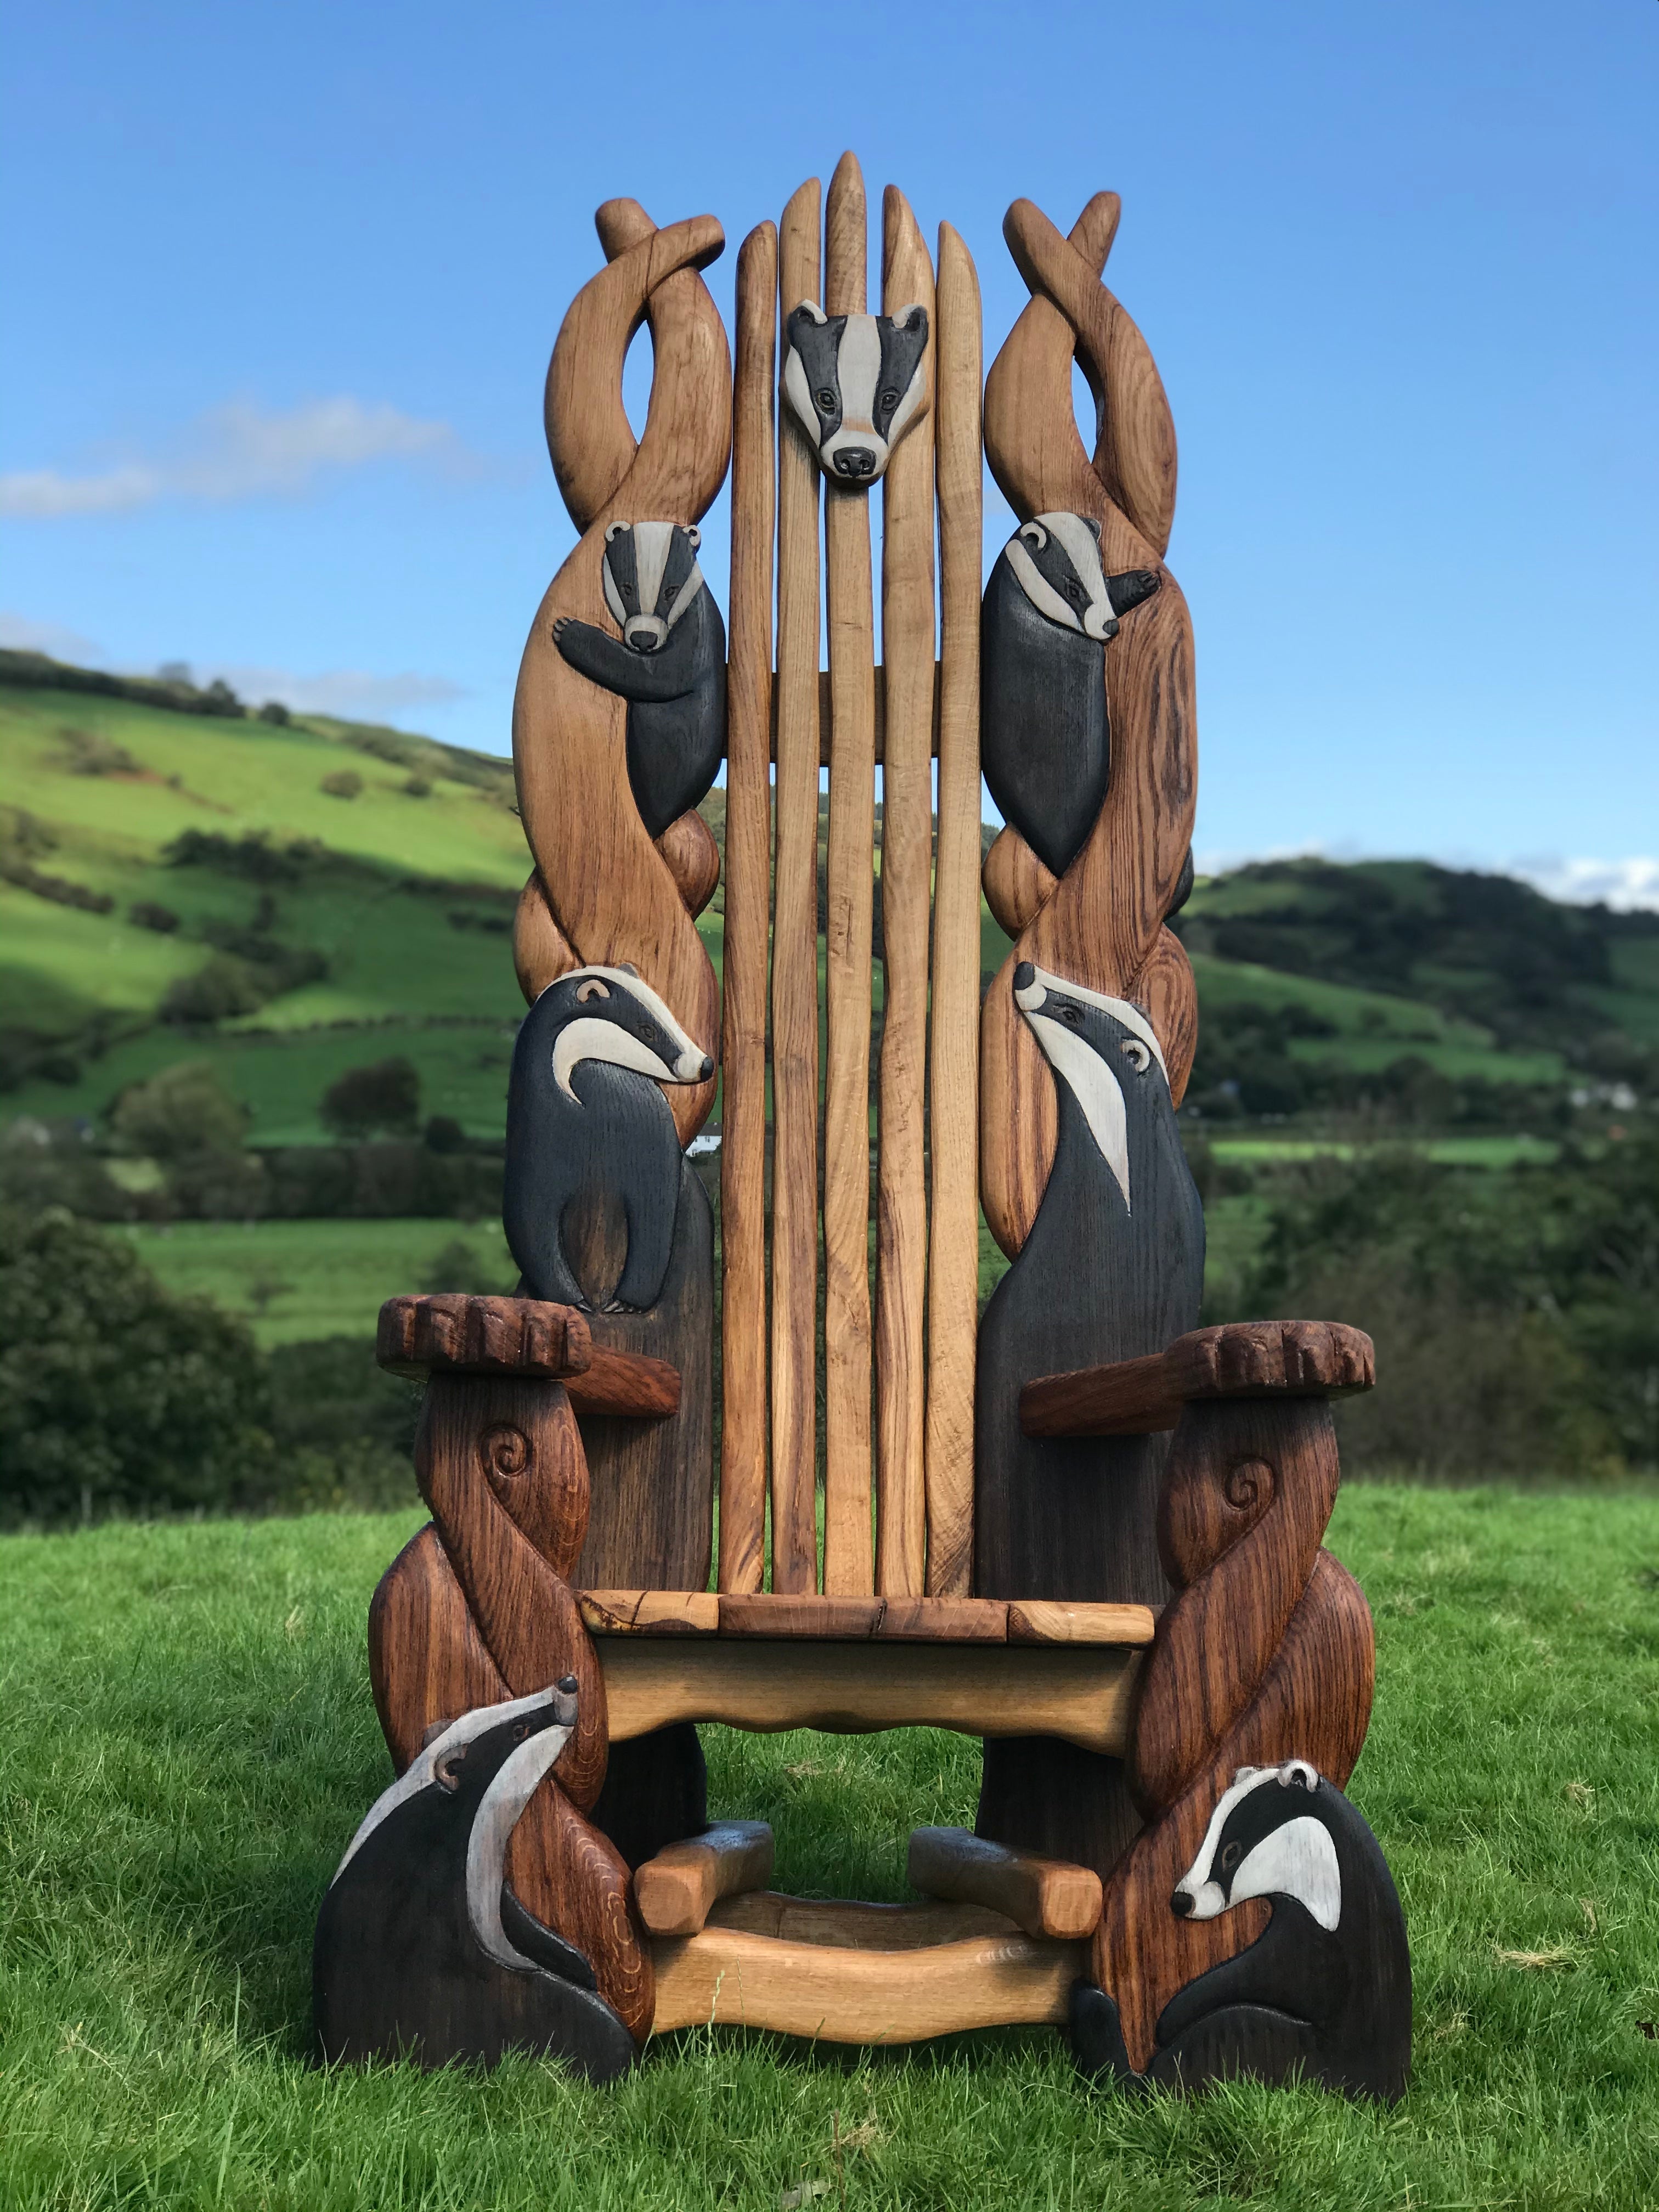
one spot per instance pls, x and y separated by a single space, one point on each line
19 635
1621 884
240 451
351 693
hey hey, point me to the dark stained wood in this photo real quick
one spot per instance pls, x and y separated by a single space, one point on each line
453 1333
1045 1897
427 1661
748 884
656 1791
630 1385
582 1879
674 1891
1239 1360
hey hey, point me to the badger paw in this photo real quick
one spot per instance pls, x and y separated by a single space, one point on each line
1096 2035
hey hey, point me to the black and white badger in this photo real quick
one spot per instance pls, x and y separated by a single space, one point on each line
1050 611
855 383
670 664
421 1948
1112 1270
1325 1990
594 1167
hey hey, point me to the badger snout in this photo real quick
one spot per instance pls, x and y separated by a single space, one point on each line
646 634
856 462
1181 1905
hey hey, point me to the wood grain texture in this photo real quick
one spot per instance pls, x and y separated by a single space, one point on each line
953 1083
693 858
427 1661
847 1925
649 1613
841 1995
610 891
564 1861
1102 924
1166 987
1079 1694
631 1385
1237 1359
1016 884
673 1892
795 960
1045 1897
915 1619
1289 1675
849 1560
453 1332
748 884
907 632
541 951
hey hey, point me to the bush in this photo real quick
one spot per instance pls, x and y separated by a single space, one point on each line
386 1095
225 988
114 1394
456 1267
274 711
343 1430
443 1133
182 1110
417 786
88 753
342 783
146 914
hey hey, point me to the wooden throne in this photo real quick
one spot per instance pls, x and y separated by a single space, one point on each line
1083 1529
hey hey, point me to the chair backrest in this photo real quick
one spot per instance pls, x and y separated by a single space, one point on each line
893 1367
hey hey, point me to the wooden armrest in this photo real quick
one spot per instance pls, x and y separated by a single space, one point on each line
674 1890
1045 1897
1241 1360
455 1335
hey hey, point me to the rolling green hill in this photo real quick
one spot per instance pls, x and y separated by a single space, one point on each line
179 880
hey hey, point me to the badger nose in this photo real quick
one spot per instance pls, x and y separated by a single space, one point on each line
1024 976
708 1069
1181 1906
856 461
568 1684
642 640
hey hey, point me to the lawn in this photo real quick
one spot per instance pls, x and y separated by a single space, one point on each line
187 1740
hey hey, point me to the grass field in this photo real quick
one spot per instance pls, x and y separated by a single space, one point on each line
187 1740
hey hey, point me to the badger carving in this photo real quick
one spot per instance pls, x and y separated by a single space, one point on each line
1112 1269
855 384
1325 1990
1048 614
669 664
593 1185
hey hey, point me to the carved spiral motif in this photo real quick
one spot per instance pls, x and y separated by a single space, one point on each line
1249 1486
1102 923
504 1453
603 892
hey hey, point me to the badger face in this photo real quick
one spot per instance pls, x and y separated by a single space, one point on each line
609 1014
1264 1841
855 383
1056 560
651 578
1098 1046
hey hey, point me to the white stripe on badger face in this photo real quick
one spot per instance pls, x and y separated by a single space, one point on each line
1297 1859
1082 549
422 1769
653 542
1036 585
1097 1091
1121 1010
682 598
515 1784
591 1037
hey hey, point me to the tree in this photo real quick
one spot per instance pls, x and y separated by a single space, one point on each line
342 783
182 1110
386 1095
115 1394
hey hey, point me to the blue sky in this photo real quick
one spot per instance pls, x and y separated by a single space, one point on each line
282 283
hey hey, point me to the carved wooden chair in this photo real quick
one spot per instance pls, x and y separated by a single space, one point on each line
1084 1530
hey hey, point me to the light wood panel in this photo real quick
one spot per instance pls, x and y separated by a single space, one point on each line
890 1620
748 870
848 1561
1077 1692
1045 1897
953 1233
794 958
674 1891
841 1996
907 636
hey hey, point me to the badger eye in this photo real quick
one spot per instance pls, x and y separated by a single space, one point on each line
1072 1015
1230 1857
592 988
520 1732
826 400
890 397
1137 1055
1076 594
647 1032
446 1773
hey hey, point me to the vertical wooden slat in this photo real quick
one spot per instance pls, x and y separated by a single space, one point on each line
907 636
953 1265
795 960
748 856
848 1561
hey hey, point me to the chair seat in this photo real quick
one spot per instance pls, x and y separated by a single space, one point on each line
767 1614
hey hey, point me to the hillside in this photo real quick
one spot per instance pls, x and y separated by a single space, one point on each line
291 898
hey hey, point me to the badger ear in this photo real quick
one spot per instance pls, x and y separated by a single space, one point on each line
693 535
811 310
1092 527
627 968
1034 535
592 988
615 530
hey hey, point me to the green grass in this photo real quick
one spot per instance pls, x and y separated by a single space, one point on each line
187 1739
296 1279
1495 1151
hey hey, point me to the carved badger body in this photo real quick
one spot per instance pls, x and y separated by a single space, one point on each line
1112 1270
1325 1990
594 1170
1049 612
421 1948
855 384
670 664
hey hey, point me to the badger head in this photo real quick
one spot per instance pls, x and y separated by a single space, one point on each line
1098 1046
651 578
609 1014
1056 561
856 383
1265 1839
